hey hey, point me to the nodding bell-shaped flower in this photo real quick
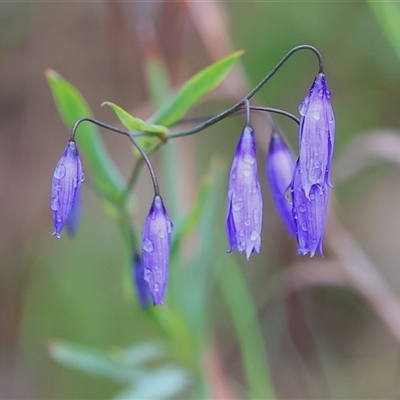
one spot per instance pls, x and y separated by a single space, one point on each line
309 213
244 210
142 289
317 135
156 244
67 179
280 168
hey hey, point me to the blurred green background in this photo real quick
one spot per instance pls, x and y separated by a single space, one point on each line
331 326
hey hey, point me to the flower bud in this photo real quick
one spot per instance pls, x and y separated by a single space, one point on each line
67 179
244 210
156 244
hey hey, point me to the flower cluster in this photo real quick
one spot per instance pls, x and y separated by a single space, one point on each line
307 191
299 187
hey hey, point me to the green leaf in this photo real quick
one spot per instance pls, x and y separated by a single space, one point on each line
133 123
71 105
195 88
244 314
162 383
388 14
91 361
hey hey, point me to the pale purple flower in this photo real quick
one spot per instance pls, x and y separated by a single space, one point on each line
317 135
244 210
67 179
280 168
142 289
309 213
156 244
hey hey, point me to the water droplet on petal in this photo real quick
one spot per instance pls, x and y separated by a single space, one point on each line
83 177
312 196
237 206
247 222
156 287
316 115
147 275
54 203
304 227
320 93
241 233
303 106
161 234
58 219
254 236
148 245
57 187
314 239
248 159
302 207
59 171
246 172
288 195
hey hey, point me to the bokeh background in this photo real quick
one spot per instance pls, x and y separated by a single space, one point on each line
331 326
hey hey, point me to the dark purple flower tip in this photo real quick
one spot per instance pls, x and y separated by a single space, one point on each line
142 289
67 179
244 211
317 135
309 213
156 243
280 168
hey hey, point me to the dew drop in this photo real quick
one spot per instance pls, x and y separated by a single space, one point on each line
320 93
303 107
248 159
83 177
327 94
58 219
57 187
316 153
312 196
314 239
237 206
59 172
316 115
247 222
246 172
170 226
161 234
54 203
302 207
147 275
241 233
288 195
304 227
148 245
254 236
156 287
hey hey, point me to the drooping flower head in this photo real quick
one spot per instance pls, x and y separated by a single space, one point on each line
309 213
244 210
317 135
280 168
67 179
156 243
142 289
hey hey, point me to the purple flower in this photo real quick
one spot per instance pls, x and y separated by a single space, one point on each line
309 213
156 243
75 216
142 289
280 168
244 214
317 135
67 179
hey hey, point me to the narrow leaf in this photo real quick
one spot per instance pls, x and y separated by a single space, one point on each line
71 105
194 89
91 361
244 314
133 123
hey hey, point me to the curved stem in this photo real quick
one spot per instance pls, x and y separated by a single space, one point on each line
130 135
247 108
